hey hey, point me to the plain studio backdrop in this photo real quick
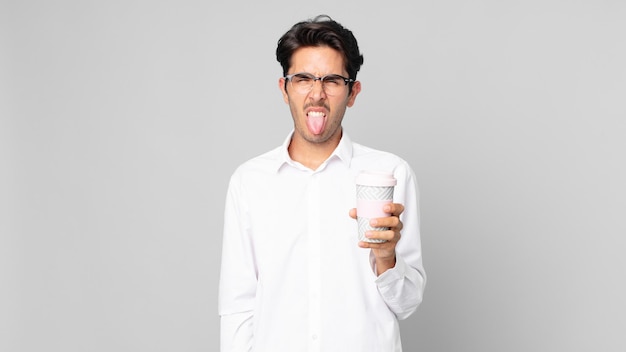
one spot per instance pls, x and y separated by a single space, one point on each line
121 122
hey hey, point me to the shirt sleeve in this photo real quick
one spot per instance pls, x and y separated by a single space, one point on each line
238 277
402 287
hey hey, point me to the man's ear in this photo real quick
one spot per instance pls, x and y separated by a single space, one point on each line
356 89
282 86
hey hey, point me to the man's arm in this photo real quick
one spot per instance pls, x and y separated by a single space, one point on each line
236 332
238 279
398 262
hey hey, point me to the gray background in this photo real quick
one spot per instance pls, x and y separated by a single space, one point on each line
121 122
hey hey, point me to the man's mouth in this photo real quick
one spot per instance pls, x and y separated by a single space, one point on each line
315 121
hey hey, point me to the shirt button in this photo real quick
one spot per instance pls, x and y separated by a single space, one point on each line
314 337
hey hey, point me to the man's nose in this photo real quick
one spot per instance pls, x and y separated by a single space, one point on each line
317 91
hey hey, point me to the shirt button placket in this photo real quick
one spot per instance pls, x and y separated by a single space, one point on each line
314 247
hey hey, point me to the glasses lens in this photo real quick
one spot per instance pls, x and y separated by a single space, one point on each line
303 83
333 84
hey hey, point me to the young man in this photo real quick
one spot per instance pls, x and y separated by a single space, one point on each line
294 277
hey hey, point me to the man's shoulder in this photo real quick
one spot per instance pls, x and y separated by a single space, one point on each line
266 162
361 151
372 159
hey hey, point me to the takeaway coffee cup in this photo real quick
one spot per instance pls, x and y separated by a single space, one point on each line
373 191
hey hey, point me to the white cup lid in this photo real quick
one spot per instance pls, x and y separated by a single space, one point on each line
372 178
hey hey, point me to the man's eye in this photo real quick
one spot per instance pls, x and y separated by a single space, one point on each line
334 81
302 79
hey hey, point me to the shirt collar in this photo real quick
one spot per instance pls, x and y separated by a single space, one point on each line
343 152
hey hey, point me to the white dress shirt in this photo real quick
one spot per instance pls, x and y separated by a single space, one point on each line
293 278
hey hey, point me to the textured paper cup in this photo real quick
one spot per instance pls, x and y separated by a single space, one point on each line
373 191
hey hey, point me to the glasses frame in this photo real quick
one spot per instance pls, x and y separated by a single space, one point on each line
288 78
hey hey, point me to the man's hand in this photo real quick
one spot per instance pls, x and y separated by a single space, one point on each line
385 252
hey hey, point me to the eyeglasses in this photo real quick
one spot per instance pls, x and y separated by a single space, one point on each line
332 84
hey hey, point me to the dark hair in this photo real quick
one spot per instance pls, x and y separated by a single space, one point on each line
320 31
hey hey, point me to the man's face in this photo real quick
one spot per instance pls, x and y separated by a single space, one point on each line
317 115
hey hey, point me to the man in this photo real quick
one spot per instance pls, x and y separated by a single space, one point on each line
294 276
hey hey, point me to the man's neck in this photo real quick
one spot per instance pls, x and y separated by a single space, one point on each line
312 155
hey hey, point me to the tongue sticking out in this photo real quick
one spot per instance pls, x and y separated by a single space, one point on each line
315 122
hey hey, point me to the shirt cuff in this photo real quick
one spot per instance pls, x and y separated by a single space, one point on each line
394 274
391 275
